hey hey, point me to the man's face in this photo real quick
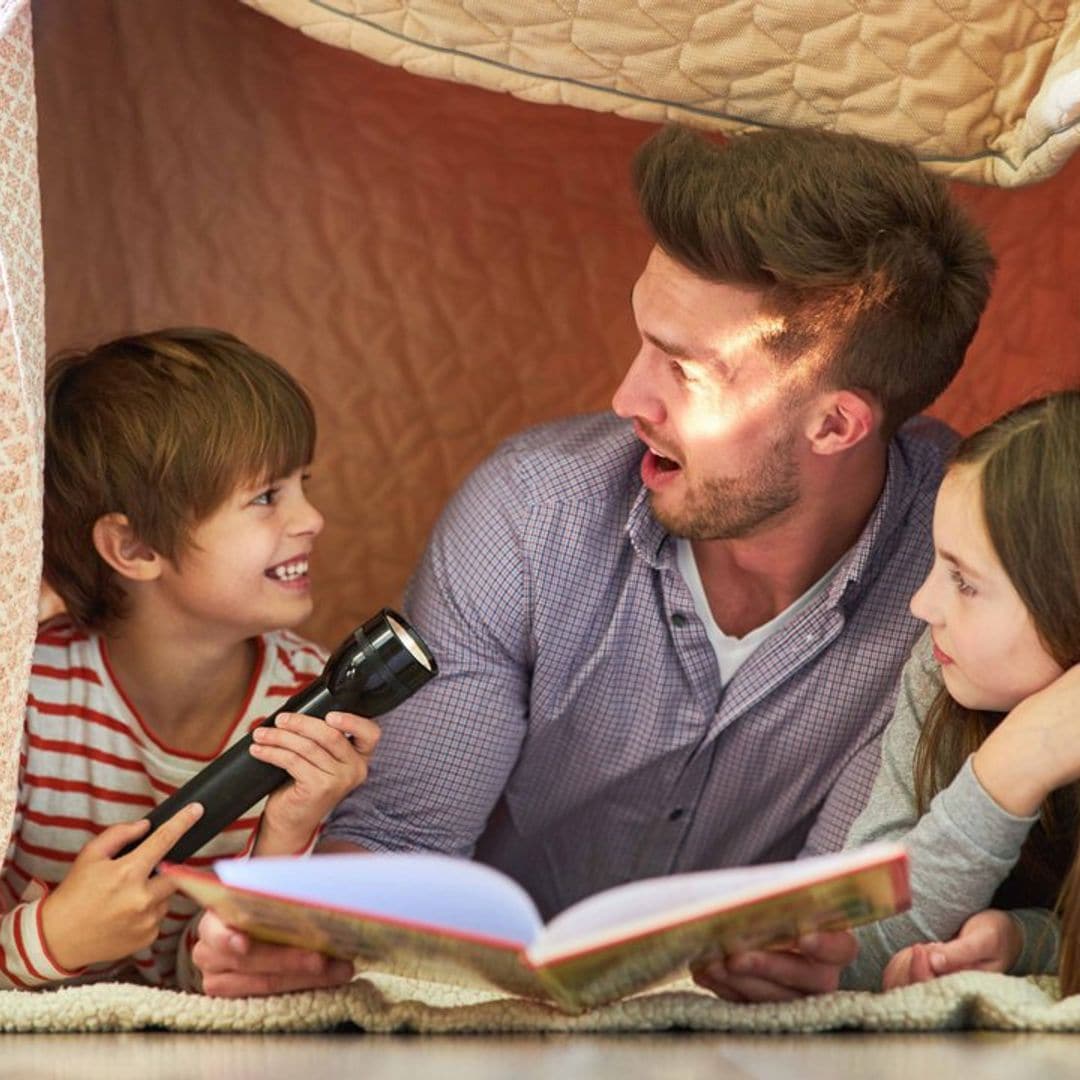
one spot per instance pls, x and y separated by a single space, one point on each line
720 418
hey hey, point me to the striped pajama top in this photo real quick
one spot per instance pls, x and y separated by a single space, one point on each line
89 761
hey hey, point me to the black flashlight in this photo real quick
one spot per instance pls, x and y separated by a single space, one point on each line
376 667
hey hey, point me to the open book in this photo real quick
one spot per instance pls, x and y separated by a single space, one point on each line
435 917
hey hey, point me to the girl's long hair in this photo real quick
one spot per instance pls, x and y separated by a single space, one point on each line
1030 483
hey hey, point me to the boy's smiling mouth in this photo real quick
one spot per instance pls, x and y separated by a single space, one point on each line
290 570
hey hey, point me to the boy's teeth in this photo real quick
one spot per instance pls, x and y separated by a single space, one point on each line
288 571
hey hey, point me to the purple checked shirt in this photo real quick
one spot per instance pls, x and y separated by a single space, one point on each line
578 735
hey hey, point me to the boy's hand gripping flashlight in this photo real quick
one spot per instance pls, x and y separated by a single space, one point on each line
376 667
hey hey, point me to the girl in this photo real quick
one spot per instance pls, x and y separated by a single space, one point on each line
980 774
981 762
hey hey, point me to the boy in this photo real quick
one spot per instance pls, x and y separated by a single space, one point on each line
177 533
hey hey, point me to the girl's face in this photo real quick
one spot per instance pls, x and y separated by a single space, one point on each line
984 638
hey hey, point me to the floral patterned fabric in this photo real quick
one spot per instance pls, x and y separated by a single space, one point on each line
22 351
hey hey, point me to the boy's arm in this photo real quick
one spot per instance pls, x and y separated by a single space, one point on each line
26 962
325 760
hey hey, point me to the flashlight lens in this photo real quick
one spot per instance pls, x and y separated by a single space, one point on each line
409 642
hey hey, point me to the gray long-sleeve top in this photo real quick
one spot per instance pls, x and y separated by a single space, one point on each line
960 850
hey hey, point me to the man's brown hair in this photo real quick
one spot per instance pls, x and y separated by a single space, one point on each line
858 249
161 427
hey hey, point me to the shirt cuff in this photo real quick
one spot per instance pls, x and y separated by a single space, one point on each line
1040 934
28 960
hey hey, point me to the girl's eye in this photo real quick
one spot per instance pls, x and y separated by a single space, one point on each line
679 370
265 498
961 585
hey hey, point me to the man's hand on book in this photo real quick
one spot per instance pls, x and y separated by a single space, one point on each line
813 966
989 941
232 965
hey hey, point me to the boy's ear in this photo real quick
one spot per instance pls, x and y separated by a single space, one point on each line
118 545
840 420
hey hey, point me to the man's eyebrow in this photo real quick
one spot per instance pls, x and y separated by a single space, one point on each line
680 351
948 556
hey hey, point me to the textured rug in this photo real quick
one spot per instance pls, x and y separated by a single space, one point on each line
385 1004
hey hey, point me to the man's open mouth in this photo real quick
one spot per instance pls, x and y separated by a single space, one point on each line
664 464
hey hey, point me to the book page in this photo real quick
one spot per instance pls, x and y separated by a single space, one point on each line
644 905
373 943
610 967
433 890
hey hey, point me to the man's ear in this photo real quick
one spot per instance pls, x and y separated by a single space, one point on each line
118 545
841 419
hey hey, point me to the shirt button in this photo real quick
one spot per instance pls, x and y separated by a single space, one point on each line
676 814
679 620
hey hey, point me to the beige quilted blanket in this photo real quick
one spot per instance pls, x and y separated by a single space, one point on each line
984 90
386 1004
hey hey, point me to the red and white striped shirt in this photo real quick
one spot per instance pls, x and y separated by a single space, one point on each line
89 761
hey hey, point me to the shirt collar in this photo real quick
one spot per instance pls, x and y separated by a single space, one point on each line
649 537
888 512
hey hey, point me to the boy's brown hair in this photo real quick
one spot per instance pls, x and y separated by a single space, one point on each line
859 250
161 427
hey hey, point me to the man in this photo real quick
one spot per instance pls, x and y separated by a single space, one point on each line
670 639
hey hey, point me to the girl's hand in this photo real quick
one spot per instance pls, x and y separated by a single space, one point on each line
326 760
108 908
1035 749
988 941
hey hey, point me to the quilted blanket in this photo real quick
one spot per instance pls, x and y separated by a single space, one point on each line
386 1004
983 91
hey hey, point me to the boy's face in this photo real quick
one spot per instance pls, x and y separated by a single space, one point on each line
245 567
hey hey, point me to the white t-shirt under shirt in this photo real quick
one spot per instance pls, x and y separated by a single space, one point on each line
733 652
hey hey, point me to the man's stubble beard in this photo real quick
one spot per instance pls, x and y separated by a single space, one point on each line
730 508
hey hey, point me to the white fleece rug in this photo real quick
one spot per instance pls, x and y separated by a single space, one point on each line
386 1004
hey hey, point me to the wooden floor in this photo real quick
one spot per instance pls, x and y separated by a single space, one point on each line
147 1055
